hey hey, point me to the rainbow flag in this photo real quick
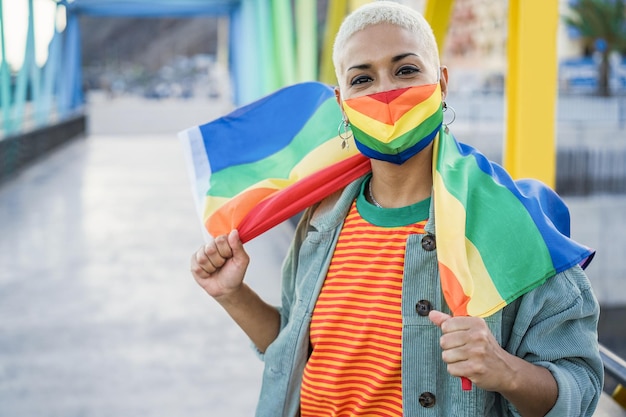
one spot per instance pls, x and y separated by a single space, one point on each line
496 238
264 163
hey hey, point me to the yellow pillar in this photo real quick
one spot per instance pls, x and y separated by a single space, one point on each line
531 87
221 55
437 13
337 11
619 395
355 4
334 16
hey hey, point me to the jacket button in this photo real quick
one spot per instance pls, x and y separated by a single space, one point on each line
428 243
427 399
423 307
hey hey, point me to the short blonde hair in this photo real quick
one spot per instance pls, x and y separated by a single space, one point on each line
379 12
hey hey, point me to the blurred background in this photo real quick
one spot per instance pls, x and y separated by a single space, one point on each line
99 315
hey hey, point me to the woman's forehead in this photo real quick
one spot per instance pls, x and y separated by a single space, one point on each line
384 32
379 42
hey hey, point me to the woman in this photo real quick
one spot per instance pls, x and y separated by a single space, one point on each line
364 328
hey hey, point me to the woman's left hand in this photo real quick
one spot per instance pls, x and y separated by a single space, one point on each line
471 351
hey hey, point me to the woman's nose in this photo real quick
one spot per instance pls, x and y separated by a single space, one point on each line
385 83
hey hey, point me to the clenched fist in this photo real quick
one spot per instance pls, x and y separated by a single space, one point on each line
219 266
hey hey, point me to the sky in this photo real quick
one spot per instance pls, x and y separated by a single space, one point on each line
15 19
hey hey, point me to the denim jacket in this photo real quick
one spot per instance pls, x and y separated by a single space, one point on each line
554 326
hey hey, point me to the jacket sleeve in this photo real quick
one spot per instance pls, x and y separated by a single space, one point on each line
289 268
288 273
556 327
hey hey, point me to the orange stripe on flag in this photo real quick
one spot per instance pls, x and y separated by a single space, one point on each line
453 291
228 216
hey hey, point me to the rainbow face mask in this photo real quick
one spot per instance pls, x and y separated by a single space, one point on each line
395 125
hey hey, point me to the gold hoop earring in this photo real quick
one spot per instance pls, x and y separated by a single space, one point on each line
344 133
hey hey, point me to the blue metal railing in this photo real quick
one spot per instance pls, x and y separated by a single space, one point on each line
37 96
615 367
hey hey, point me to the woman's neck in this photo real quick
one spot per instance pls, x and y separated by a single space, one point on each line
402 185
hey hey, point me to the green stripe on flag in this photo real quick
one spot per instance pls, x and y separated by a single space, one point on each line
522 239
231 181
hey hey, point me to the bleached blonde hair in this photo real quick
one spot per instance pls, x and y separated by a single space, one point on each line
390 12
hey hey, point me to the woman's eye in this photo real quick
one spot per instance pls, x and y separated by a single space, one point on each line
360 80
408 70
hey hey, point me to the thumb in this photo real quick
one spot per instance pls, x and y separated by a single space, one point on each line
236 245
437 317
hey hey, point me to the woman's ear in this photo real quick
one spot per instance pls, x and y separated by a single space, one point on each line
338 98
338 95
443 81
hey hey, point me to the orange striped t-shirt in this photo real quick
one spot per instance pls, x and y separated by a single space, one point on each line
356 329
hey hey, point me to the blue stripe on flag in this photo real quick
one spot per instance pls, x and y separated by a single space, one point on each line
235 138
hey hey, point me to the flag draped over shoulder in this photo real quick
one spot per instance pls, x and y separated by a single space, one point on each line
264 163
496 238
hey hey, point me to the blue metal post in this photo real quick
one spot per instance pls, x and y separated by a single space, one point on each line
5 79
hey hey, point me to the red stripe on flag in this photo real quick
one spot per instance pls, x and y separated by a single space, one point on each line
388 96
304 193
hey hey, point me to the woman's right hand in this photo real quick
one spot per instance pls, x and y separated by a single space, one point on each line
219 266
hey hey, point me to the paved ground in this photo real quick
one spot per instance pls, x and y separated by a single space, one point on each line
98 313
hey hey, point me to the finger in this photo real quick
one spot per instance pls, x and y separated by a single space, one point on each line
212 254
453 340
458 324
461 368
200 265
438 318
223 247
455 355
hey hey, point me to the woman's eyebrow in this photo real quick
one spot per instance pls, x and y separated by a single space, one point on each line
402 56
394 59
360 67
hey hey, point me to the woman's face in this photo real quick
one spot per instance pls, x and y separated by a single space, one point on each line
384 57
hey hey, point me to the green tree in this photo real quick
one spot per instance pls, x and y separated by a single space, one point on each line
600 22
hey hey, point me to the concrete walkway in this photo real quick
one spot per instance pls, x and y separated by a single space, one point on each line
99 315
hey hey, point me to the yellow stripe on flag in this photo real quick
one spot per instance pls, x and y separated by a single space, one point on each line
330 152
460 255
485 292
212 204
